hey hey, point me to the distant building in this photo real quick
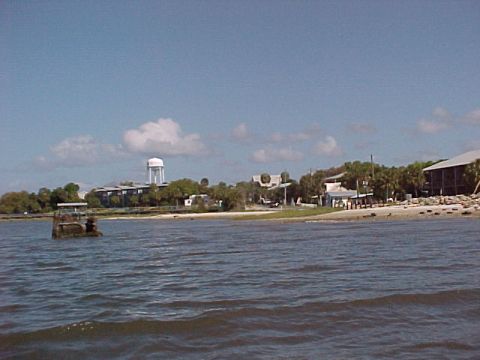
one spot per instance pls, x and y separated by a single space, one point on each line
275 181
155 175
446 177
202 197
82 194
335 194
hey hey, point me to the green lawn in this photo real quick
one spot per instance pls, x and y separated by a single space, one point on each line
291 213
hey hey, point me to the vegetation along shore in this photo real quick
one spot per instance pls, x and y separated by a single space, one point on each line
394 193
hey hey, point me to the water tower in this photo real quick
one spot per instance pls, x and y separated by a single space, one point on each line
156 172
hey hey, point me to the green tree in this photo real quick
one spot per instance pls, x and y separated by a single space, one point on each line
154 196
72 192
472 176
58 195
386 183
285 177
357 173
144 199
311 186
413 177
134 200
229 196
248 192
115 201
92 200
19 202
43 197
178 190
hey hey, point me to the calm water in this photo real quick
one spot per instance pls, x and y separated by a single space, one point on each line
242 290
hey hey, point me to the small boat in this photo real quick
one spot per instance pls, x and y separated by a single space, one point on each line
72 220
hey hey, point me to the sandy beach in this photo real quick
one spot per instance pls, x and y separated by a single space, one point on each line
395 212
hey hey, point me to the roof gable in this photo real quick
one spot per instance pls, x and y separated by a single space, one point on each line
463 159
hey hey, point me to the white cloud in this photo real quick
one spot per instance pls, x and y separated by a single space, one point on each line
309 133
441 113
276 137
362 128
241 133
165 138
441 120
473 117
300 136
296 137
327 146
271 154
77 151
431 126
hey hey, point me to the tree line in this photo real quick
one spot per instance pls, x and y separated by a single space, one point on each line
45 200
384 182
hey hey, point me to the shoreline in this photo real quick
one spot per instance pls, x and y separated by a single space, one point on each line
395 212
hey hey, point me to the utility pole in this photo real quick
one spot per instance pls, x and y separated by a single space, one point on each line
373 169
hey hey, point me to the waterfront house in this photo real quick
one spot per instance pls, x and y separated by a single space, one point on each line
446 177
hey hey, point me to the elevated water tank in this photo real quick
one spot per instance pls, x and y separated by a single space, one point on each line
155 171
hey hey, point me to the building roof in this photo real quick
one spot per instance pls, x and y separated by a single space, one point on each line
347 193
335 177
361 196
463 159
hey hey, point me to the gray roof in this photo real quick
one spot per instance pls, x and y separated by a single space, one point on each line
362 195
347 193
463 159
335 177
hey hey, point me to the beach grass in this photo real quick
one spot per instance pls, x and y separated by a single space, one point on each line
289 213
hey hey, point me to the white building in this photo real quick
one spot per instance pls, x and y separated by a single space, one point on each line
189 202
337 196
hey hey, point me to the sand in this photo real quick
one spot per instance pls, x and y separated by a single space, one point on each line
397 212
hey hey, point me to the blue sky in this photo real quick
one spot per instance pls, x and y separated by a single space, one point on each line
89 90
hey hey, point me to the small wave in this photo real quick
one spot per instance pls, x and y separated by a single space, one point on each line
43 264
313 268
11 308
113 301
434 299
450 345
439 298
211 304
203 325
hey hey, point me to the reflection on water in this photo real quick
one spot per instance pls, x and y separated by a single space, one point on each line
229 289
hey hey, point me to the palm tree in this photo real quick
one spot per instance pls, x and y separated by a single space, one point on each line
265 178
472 175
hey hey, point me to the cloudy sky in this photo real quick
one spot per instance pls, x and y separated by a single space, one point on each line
89 90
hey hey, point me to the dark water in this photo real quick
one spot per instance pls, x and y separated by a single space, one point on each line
228 289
